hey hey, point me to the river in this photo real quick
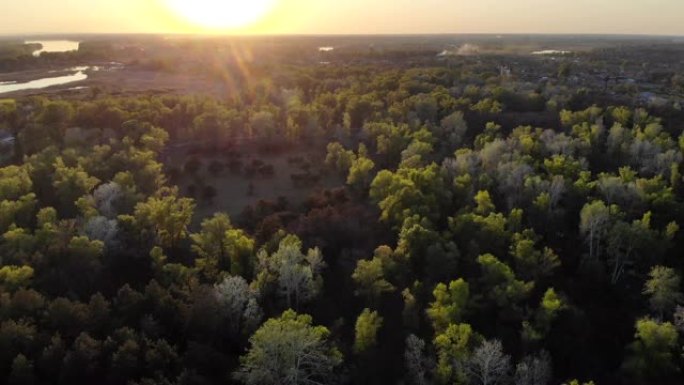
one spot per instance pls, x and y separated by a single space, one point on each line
54 46
79 74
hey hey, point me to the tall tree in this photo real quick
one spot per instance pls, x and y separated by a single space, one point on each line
594 219
651 355
366 331
166 216
489 365
662 288
449 304
289 350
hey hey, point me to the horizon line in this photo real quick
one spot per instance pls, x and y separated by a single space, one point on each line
389 34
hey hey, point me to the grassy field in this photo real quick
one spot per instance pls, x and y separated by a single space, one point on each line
233 191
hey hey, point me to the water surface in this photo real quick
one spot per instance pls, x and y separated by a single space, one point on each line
54 46
37 84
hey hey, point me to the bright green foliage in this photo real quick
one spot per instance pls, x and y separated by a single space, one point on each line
651 355
339 158
390 139
289 350
490 232
14 182
453 348
19 245
421 245
369 277
551 303
223 248
484 203
18 211
663 289
71 183
360 172
409 191
165 216
671 230
15 277
563 165
530 262
499 279
367 325
449 304
549 308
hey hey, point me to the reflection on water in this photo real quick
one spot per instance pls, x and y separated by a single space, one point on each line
45 82
551 52
54 46
326 49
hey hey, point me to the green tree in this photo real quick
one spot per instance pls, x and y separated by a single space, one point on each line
449 304
483 202
360 172
651 355
222 247
500 282
15 182
71 183
369 277
15 277
530 262
339 158
366 331
408 192
454 346
289 350
165 216
662 288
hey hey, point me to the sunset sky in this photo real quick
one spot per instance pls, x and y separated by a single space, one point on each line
351 16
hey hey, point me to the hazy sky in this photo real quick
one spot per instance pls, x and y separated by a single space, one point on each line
359 16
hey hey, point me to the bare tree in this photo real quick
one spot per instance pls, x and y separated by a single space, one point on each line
238 305
489 365
414 357
102 229
534 370
594 220
106 197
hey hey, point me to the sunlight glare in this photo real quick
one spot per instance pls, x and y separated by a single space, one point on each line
219 14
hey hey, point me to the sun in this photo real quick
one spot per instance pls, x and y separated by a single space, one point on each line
221 14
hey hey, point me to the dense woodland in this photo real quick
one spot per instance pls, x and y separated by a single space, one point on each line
486 234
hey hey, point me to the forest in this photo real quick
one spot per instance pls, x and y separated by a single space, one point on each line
473 231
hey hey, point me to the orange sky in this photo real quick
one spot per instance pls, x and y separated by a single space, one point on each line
357 16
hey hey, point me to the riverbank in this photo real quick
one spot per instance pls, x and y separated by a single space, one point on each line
118 80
